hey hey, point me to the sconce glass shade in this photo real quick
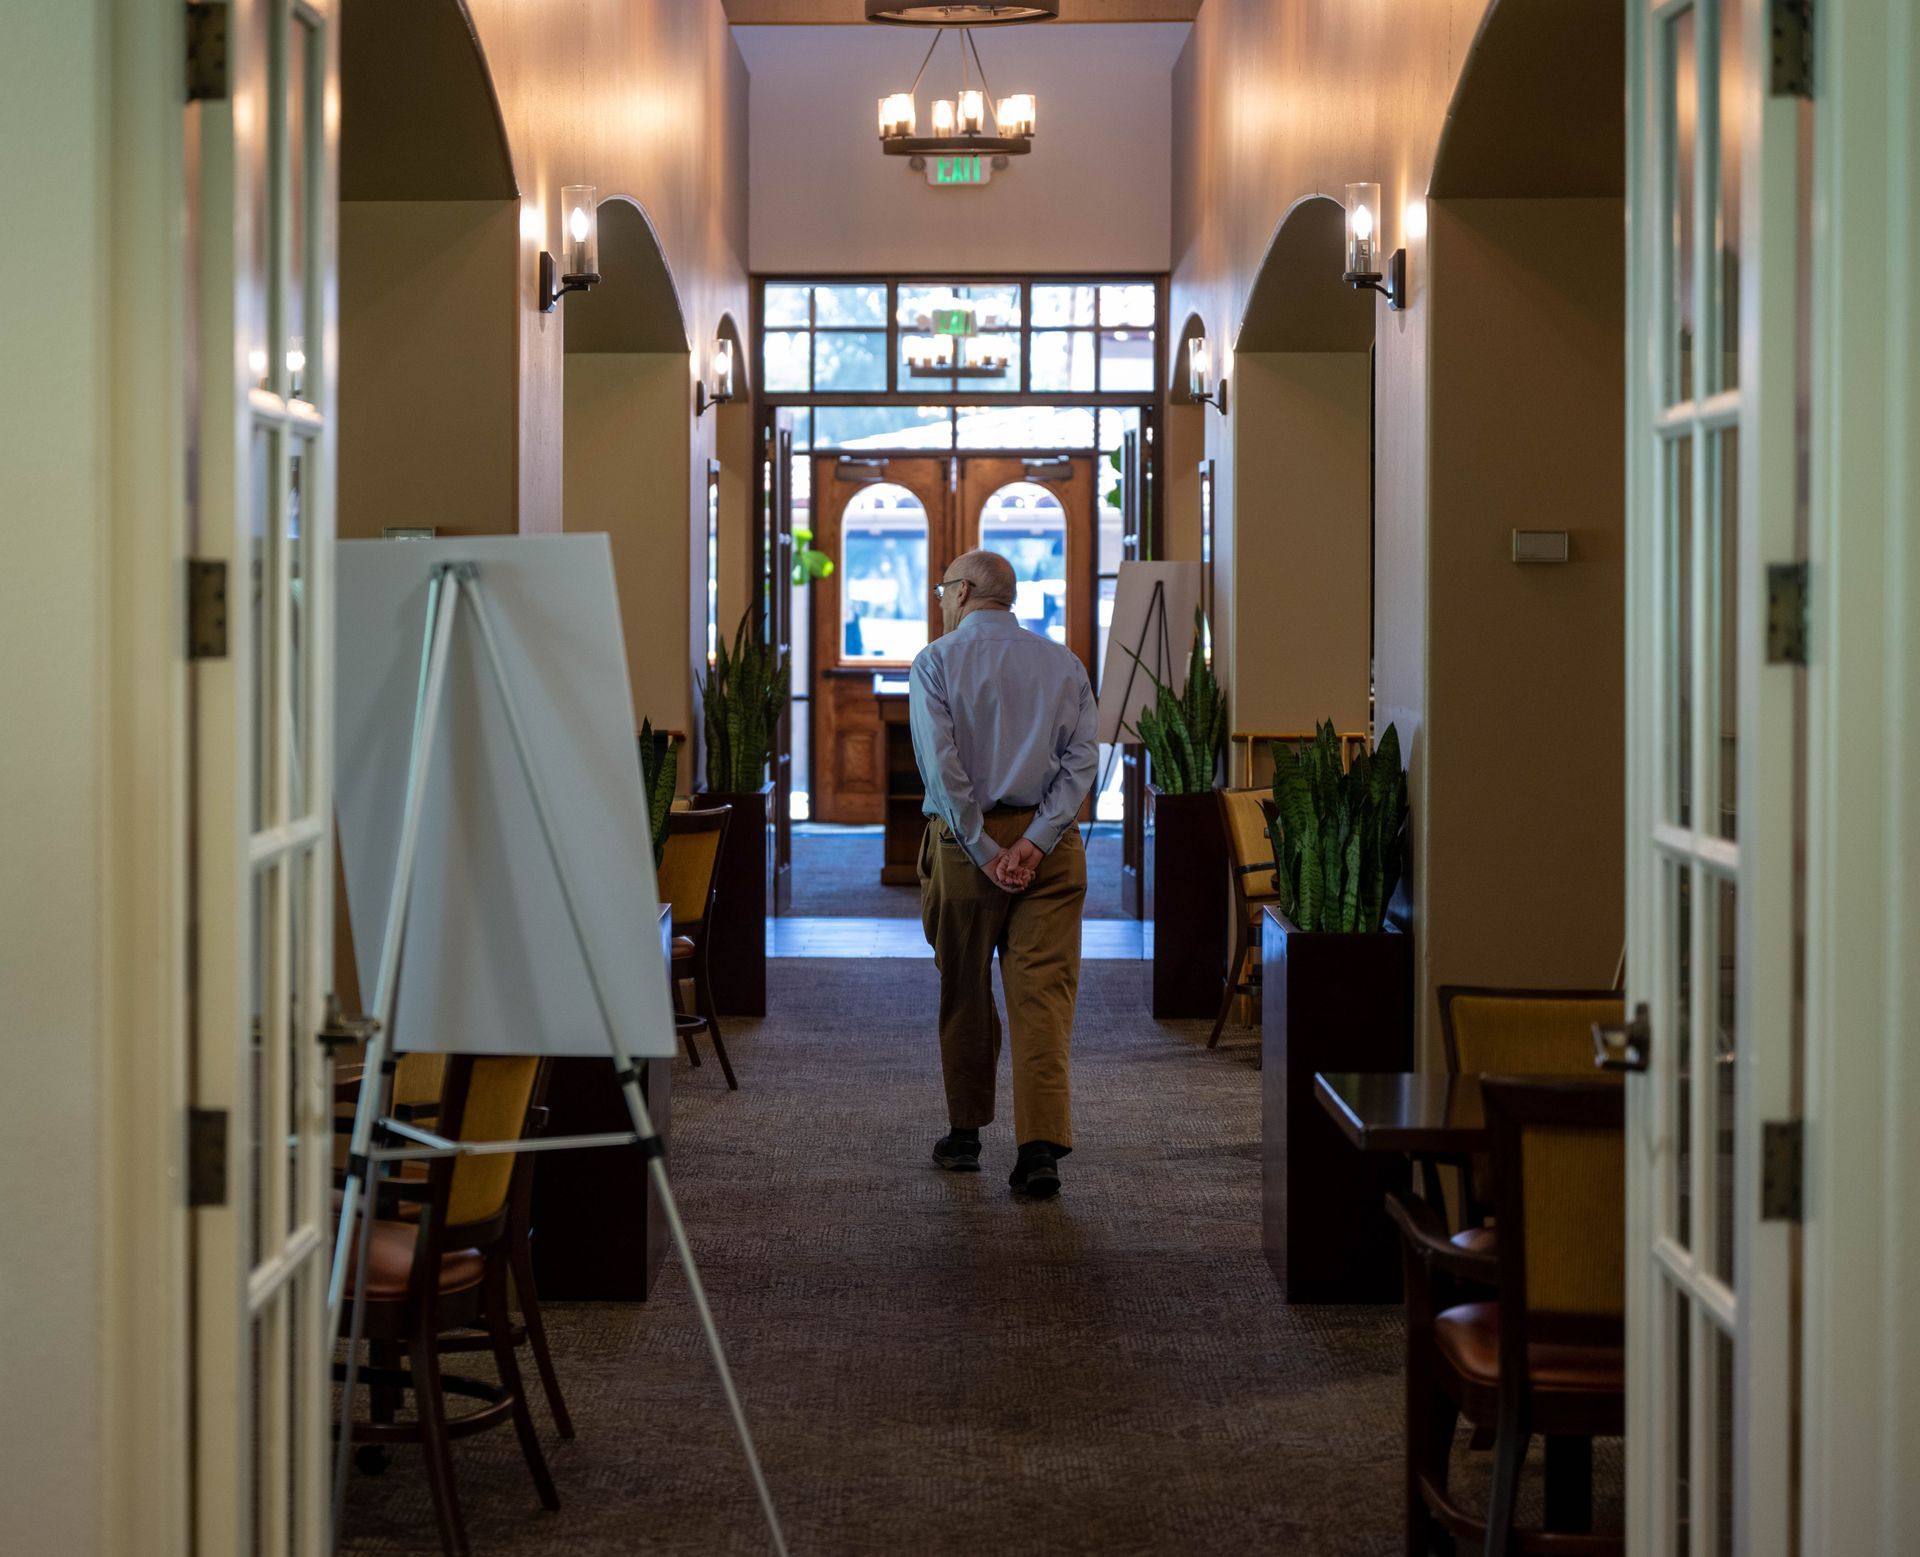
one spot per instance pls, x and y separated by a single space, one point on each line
1199 368
579 231
943 116
973 112
896 116
723 369
1363 230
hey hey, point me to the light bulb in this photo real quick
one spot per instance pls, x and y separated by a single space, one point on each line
723 370
1199 367
973 111
943 116
577 225
1362 223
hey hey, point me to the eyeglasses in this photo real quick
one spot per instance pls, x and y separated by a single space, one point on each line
940 589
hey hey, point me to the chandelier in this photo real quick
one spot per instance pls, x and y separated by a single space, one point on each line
961 13
959 123
954 349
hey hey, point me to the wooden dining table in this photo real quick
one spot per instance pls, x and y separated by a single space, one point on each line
1415 1113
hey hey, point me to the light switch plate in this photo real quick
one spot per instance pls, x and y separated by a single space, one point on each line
1539 545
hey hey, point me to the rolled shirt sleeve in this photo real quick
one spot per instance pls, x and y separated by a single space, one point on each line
1072 777
949 790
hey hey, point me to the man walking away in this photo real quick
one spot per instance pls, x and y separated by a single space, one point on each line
1004 730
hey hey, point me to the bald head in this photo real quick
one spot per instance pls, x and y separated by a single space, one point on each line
990 574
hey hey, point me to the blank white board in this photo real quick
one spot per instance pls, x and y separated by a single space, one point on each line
490 962
1136 627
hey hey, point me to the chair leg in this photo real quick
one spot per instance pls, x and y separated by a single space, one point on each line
383 1401
501 1332
423 1358
703 993
1236 966
1431 1416
687 1029
522 1262
1569 1505
1509 1457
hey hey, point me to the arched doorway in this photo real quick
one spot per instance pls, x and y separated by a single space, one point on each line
1293 570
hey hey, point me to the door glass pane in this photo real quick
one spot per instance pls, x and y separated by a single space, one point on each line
849 359
1127 360
1683 79
1726 223
295 1048
1725 1055
1679 1036
1062 305
884 588
299 708
998 350
260 1025
1723 1436
259 565
1726 639
1677 624
301 58
1062 361
1680 1376
1025 523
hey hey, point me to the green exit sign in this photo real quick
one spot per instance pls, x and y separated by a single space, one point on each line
966 168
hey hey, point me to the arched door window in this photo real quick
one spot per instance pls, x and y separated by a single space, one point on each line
883 570
1026 524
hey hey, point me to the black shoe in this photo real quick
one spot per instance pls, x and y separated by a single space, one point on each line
958 1151
1036 1172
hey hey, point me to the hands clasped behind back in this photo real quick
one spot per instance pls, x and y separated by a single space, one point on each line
1012 869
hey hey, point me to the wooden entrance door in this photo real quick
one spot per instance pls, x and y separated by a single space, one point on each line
1039 514
887 524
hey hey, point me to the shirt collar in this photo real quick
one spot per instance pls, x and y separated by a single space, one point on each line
967 622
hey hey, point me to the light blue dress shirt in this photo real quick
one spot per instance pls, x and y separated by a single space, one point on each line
1002 716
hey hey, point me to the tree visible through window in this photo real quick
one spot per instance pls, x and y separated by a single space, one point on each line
1025 523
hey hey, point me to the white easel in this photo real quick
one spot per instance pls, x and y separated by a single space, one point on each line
450 583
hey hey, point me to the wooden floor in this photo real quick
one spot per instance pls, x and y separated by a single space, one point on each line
1110 940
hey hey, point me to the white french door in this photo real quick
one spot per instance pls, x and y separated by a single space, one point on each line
1714 803
263 846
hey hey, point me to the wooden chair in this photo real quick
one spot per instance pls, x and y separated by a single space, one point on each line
448 1271
1250 867
1516 1032
1546 1354
689 881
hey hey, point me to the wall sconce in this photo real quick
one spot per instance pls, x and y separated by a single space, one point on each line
1200 385
580 248
1363 248
722 377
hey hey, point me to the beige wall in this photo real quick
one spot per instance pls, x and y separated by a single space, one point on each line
627 475
1300 545
1092 195
1273 104
1526 684
429 402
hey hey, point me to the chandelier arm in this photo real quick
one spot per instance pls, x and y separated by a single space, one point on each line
986 89
914 90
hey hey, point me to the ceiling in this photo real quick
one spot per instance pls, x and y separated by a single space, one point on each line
764 13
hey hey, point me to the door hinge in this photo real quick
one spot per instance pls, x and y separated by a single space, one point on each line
1791 25
206 610
1783 1150
1787 589
206 1156
206 52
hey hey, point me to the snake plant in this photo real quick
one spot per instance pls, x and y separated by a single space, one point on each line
743 695
1183 734
659 772
1338 836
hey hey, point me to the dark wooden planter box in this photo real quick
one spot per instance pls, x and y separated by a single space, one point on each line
1330 1003
1187 893
739 951
598 1231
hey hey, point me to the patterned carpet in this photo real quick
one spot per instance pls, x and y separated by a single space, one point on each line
932 1368
836 874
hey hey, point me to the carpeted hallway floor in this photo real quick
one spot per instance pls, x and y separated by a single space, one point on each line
932 1368
836 875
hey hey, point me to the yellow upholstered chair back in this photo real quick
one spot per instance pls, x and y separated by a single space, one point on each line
1523 1032
1250 850
498 1092
418 1078
688 866
1566 1139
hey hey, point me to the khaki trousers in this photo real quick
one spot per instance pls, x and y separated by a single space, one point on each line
1037 933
